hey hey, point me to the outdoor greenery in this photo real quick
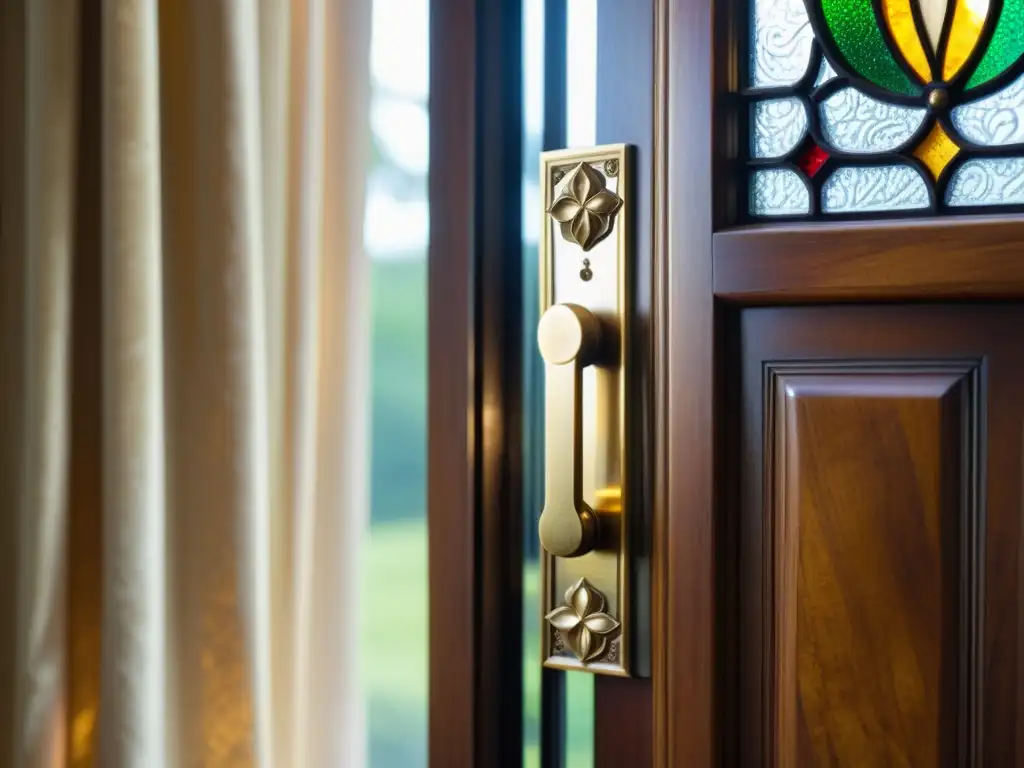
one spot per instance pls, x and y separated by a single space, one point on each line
394 621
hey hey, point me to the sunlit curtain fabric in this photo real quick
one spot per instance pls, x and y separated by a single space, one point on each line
183 381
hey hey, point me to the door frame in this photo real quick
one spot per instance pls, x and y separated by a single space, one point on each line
474 339
687 80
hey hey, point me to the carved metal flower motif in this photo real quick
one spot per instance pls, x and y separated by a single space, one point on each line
585 209
581 622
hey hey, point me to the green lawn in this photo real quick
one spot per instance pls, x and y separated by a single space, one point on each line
393 627
394 654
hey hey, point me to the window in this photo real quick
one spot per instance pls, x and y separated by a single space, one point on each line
882 107
394 567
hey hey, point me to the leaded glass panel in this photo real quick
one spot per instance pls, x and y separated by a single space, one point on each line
779 124
858 107
873 188
778 192
781 40
854 122
987 181
996 120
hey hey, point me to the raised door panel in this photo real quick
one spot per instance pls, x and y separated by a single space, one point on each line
879 586
864 533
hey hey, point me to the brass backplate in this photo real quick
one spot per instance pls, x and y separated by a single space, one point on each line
589 615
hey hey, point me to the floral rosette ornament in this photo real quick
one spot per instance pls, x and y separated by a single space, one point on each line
933 54
582 623
585 211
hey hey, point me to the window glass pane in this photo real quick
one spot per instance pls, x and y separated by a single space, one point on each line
910 104
779 124
964 34
826 73
780 42
995 120
581 66
899 17
578 114
1006 45
856 188
777 192
533 375
394 605
857 36
579 720
988 181
854 122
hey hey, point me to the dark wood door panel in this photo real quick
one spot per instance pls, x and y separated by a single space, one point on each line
879 584
977 258
863 536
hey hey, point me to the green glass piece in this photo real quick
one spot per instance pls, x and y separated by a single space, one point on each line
856 33
1006 47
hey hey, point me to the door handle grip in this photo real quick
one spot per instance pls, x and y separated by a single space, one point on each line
569 338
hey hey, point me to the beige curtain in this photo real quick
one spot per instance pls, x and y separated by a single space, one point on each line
183 381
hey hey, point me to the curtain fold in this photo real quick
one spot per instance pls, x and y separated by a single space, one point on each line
185 472
50 109
134 487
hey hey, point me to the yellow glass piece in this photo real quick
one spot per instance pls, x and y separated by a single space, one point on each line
900 20
936 151
968 20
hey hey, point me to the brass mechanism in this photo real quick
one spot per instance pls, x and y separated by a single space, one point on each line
592 602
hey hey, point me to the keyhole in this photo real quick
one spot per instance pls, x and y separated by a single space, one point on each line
586 273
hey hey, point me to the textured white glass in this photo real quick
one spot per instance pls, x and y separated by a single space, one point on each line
779 124
826 72
778 192
873 188
853 122
995 120
780 42
987 181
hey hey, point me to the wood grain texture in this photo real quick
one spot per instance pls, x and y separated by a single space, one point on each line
475 352
451 476
865 517
880 536
934 259
622 722
687 75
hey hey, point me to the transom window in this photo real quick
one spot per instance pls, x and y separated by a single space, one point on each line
884 107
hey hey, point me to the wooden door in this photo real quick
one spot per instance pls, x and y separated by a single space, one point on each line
836 375
840 507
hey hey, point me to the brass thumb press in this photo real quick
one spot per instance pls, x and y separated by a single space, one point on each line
569 338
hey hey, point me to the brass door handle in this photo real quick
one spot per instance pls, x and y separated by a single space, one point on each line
569 338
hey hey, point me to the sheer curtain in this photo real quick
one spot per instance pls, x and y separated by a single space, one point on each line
183 381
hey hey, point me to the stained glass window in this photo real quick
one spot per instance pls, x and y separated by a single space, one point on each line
864 107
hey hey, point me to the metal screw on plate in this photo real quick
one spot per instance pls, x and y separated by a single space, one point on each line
611 167
586 273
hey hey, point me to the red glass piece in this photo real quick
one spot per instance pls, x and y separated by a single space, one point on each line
812 160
